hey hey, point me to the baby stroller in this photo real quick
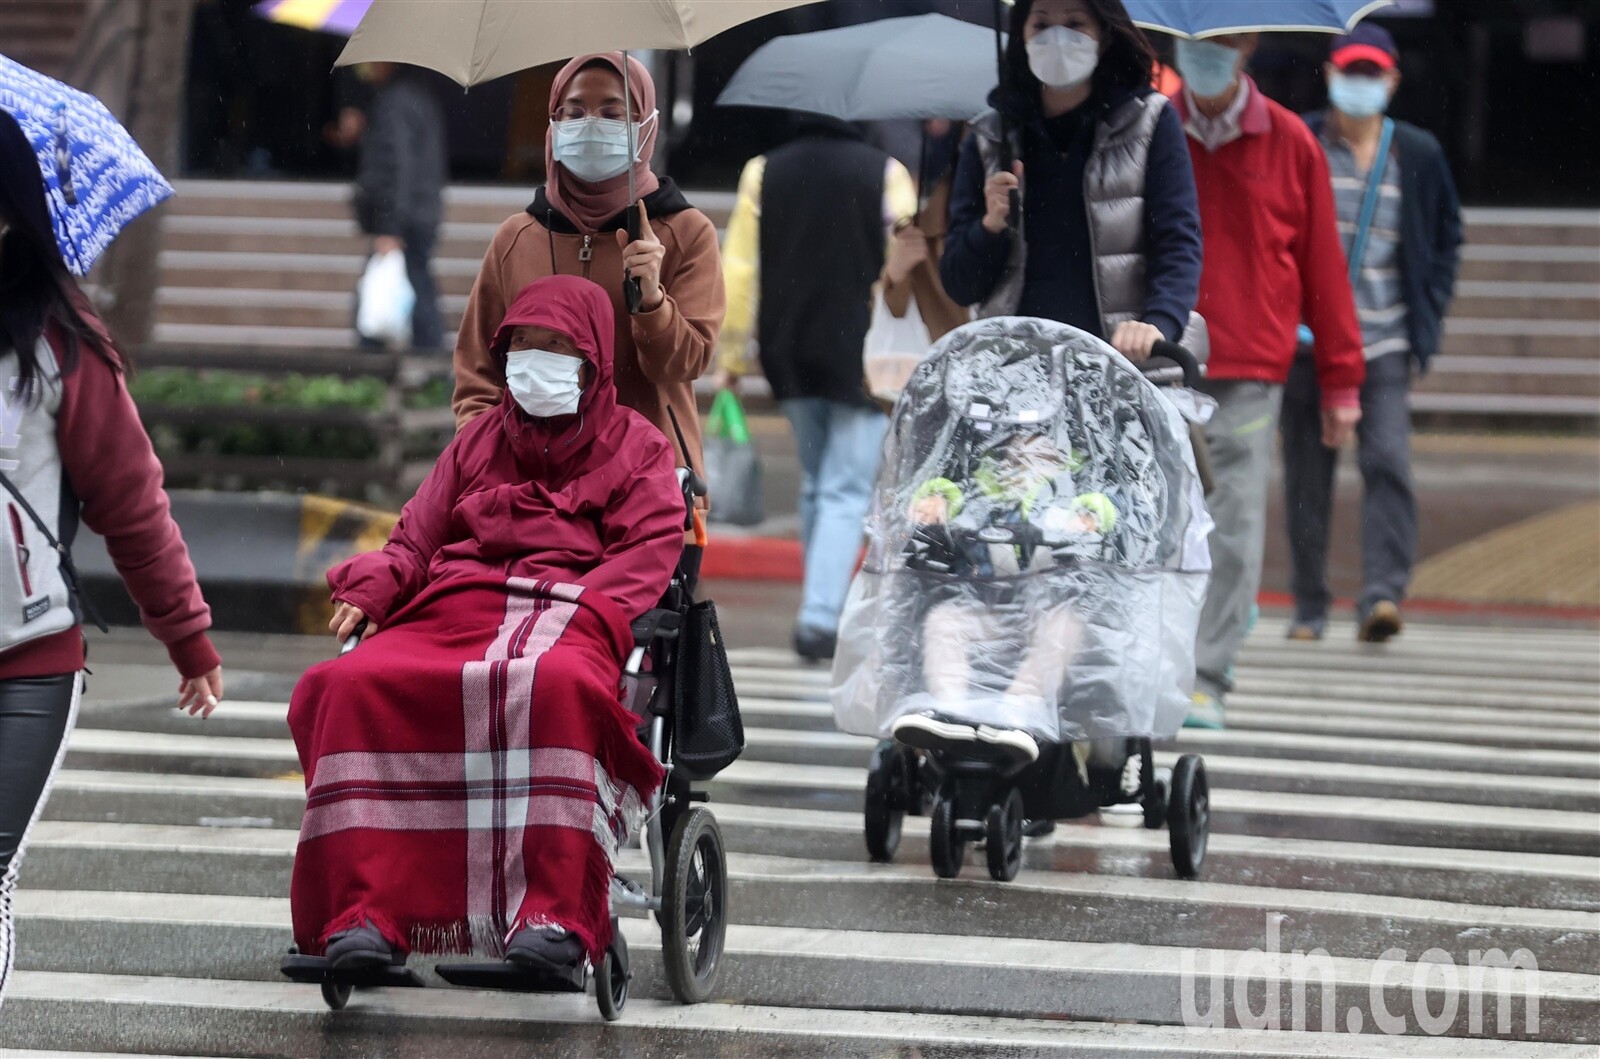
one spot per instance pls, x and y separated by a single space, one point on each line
1023 627
677 682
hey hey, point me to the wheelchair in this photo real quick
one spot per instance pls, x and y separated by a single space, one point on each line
687 887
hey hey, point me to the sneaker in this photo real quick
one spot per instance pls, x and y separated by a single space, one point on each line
1307 631
1015 742
929 733
1128 787
1205 711
363 946
546 948
815 645
1381 623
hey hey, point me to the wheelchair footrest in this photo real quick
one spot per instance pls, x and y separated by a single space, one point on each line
508 976
314 970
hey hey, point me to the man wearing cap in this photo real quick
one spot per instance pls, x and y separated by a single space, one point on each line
1272 259
1408 251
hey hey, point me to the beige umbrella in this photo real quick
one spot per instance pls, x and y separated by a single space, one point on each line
473 41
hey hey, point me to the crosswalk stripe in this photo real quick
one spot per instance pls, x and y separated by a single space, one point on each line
1442 791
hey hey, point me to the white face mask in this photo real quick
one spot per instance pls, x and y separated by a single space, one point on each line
1062 57
545 384
595 149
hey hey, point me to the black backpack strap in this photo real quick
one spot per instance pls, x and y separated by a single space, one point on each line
69 572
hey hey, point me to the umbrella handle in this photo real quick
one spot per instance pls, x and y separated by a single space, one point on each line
1007 163
632 291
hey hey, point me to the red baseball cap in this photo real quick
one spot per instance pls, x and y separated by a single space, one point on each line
1365 43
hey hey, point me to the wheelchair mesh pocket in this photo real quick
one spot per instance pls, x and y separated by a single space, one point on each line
708 734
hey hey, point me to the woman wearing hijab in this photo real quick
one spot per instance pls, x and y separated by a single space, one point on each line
576 226
480 728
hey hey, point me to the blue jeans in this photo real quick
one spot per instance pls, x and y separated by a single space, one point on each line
839 446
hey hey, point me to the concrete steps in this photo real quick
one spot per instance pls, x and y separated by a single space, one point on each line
274 264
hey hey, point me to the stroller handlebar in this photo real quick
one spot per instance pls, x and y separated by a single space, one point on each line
1179 355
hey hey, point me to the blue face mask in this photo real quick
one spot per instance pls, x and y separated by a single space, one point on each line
1359 97
1207 68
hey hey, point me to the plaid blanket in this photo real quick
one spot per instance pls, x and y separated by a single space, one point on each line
469 770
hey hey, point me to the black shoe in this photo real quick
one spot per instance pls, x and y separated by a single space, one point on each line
363 946
815 645
1381 623
548 948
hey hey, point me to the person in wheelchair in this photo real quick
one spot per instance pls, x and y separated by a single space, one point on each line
1018 512
470 769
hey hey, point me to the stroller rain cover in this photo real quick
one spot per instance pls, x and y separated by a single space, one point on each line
1036 548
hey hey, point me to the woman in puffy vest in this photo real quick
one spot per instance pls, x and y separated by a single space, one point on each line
71 446
1108 238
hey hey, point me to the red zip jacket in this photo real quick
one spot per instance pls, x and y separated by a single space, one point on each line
1273 256
81 450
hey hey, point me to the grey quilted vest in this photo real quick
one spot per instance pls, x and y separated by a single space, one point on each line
1113 195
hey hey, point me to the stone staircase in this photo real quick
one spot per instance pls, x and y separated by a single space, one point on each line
275 264
42 34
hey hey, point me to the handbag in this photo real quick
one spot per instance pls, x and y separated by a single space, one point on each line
69 571
893 348
733 467
1369 207
708 734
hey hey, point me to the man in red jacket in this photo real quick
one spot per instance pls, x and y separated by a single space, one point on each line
1273 257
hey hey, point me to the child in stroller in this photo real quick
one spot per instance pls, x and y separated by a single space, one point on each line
1024 624
1016 511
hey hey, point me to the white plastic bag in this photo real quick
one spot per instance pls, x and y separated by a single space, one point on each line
384 300
893 348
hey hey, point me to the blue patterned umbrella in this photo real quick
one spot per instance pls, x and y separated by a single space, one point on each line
1209 18
96 179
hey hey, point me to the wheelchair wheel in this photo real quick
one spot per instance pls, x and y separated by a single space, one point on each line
1189 815
890 779
946 849
336 996
1156 797
694 907
1002 837
612 977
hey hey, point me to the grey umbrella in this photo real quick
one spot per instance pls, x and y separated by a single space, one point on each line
924 66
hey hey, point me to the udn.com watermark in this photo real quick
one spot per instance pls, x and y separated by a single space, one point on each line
1433 994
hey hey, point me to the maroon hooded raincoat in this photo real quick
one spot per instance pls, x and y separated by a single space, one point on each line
590 499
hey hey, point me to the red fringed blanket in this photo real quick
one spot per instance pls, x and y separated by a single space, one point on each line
469 770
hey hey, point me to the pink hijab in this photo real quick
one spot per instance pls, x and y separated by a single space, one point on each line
586 205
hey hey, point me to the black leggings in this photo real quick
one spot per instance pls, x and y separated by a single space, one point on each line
35 715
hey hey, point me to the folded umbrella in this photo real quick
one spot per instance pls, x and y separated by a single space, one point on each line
96 179
922 66
1210 18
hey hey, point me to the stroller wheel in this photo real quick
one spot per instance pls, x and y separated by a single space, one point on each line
946 849
1003 837
1156 797
611 979
694 901
336 995
1189 815
889 790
